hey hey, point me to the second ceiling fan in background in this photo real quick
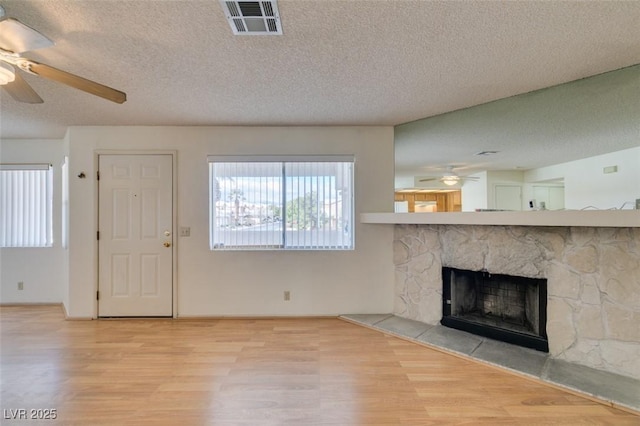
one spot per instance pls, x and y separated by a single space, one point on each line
450 177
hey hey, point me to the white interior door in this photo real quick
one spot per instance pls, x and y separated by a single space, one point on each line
135 271
508 197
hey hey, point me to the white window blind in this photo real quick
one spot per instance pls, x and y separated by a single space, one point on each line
303 203
26 198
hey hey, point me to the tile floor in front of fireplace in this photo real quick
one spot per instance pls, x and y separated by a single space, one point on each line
619 390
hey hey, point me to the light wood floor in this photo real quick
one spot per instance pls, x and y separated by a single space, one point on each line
259 372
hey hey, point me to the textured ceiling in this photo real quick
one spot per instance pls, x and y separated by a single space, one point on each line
338 62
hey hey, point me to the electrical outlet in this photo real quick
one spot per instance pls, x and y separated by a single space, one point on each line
287 295
20 285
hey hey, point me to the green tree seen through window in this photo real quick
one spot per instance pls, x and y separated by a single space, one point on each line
305 212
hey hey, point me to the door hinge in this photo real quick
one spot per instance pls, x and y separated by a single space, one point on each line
98 235
98 295
98 174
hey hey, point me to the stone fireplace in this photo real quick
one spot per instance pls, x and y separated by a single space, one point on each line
503 307
593 281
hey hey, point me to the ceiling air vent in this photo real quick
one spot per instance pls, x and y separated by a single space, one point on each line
252 17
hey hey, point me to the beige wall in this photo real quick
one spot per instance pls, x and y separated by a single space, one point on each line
244 283
42 270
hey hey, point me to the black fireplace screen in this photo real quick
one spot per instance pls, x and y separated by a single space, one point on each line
502 307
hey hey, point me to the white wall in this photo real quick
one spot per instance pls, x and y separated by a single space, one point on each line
65 286
474 193
245 283
42 270
587 186
585 183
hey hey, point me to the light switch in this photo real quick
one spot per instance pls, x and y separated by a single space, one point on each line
185 231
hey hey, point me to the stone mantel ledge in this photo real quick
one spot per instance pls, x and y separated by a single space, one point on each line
588 218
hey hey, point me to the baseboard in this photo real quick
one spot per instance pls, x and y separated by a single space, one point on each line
28 304
67 317
63 308
253 317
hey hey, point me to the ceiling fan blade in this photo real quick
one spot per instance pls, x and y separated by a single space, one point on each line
77 82
20 90
427 180
18 37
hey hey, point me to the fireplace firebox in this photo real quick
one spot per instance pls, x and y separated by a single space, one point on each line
502 307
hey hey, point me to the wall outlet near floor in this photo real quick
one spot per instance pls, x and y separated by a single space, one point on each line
20 285
287 295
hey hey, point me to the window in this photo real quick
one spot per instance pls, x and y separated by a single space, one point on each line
300 203
26 198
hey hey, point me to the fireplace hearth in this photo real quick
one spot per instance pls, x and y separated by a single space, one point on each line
502 307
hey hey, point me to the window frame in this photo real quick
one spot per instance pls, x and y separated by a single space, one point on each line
348 244
20 226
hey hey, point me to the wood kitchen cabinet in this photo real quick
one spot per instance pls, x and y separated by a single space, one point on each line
456 201
445 201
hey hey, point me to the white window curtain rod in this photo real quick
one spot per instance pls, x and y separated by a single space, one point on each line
25 166
345 158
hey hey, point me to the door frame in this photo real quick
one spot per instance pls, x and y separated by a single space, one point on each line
494 195
174 224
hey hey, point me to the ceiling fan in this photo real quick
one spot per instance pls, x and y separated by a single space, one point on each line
450 177
16 38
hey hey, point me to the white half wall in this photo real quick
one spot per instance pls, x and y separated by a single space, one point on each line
245 283
42 270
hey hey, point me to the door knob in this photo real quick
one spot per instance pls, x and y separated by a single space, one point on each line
167 244
167 233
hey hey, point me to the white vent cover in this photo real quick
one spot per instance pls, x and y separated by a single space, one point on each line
252 17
